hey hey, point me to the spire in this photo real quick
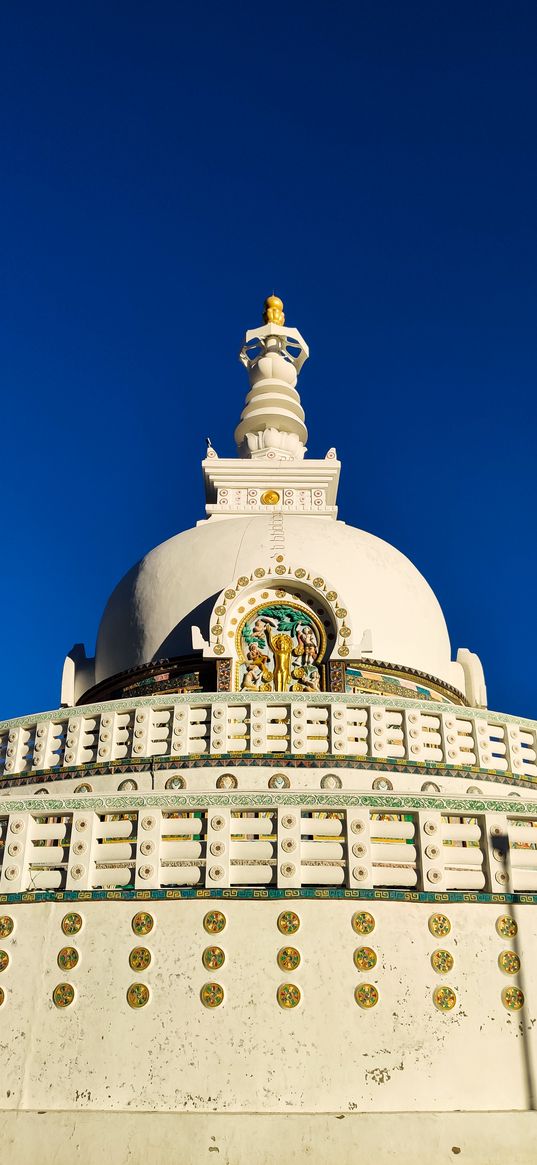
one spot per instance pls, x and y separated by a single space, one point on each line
272 421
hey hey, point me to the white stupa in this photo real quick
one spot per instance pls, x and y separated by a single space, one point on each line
269 874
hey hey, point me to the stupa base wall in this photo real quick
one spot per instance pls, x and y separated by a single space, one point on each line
477 1138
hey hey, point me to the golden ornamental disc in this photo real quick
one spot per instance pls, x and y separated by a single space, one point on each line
2 995
366 995
288 959
442 962
288 995
509 962
288 922
71 923
142 923
362 922
68 958
270 497
6 926
212 994
213 958
444 998
63 995
506 926
137 995
4 960
214 921
139 959
440 926
364 959
512 998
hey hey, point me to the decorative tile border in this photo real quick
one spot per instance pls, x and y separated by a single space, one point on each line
238 893
406 802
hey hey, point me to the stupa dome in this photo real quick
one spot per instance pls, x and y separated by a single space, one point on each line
151 612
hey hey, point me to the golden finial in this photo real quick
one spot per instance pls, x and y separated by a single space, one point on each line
273 311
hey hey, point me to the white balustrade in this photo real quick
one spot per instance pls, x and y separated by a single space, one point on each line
283 846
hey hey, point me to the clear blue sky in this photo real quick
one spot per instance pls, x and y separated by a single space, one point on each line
163 168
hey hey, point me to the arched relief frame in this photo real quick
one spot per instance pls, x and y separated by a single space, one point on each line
300 586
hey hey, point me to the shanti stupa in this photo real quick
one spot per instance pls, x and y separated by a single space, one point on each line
269 874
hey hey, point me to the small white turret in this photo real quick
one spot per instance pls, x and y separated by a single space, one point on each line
272 422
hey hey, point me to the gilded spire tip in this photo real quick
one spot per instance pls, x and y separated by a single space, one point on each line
273 311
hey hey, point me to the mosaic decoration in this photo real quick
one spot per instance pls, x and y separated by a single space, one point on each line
512 998
139 959
439 925
280 645
213 958
212 995
364 959
506 926
509 962
442 962
6 926
288 922
362 922
137 995
288 959
288 995
68 958
142 923
214 922
4 960
444 998
71 923
63 995
366 995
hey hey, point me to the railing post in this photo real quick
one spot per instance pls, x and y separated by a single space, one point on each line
218 867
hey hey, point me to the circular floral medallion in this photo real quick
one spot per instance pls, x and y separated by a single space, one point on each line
6 926
288 959
506 926
142 923
509 962
4 960
214 921
288 995
288 922
440 926
63 995
139 959
444 998
442 962
366 995
362 922
364 959
270 497
137 995
71 923
212 994
2 996
213 958
68 958
512 998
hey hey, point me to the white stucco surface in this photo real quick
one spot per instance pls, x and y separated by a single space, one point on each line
152 610
250 1055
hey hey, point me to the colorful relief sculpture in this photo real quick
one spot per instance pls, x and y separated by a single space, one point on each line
280 645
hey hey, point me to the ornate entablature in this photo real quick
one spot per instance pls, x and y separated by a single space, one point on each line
274 630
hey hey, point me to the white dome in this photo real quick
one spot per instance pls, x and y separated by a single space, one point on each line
152 610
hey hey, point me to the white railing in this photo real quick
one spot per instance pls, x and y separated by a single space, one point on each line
360 727
347 842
